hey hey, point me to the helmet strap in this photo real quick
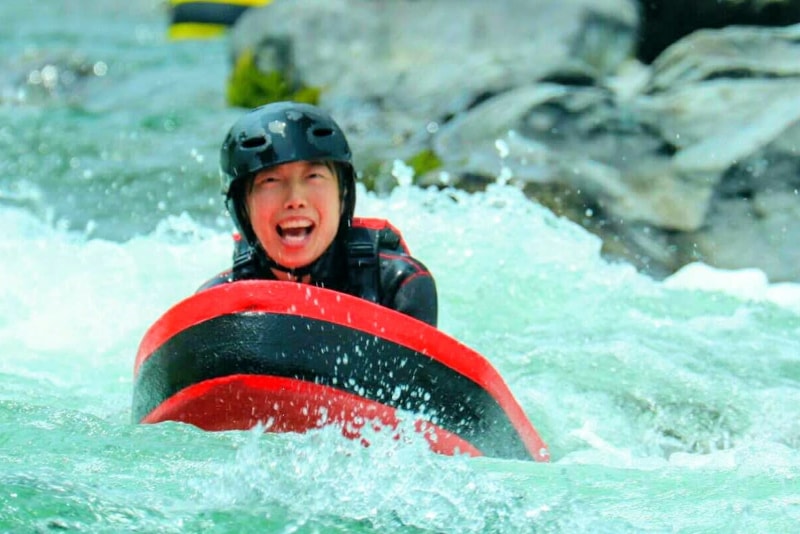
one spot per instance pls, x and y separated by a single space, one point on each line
295 273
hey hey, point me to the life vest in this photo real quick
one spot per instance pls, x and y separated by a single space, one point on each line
366 237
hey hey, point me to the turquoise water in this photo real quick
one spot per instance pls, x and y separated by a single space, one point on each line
668 406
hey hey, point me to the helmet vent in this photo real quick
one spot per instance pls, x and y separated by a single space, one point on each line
254 142
322 132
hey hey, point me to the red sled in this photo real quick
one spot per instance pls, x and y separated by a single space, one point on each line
294 357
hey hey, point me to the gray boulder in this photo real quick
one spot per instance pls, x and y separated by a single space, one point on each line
393 70
694 157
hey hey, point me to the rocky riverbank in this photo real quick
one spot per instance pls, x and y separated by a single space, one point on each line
692 156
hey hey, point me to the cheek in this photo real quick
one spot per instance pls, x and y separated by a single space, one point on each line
258 210
333 209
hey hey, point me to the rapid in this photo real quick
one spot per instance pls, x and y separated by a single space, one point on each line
668 406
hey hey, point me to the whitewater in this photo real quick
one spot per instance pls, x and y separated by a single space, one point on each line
668 405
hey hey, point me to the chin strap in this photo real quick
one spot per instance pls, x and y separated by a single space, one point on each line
361 250
250 262
297 274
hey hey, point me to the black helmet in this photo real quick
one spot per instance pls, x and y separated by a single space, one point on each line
282 132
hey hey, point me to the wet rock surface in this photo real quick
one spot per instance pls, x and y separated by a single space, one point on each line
691 157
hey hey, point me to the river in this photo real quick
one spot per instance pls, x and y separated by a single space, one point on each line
668 406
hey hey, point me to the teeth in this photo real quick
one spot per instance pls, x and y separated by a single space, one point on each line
295 224
295 229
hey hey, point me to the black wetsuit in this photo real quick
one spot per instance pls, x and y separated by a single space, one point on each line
399 281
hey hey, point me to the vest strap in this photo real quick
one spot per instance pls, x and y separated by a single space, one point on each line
244 267
362 262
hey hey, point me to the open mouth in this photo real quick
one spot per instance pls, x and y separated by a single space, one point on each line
295 231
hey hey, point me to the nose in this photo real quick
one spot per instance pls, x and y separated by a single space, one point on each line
295 195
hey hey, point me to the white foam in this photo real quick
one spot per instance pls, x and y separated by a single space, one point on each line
747 284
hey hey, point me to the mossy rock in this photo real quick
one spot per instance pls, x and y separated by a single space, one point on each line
248 87
424 162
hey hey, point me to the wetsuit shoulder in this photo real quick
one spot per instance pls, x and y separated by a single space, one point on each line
408 286
222 278
404 283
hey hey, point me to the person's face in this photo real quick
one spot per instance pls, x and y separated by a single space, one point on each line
294 210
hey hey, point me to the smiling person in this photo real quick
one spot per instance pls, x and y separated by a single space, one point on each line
290 188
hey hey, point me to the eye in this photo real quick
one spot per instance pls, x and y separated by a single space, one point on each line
318 171
264 179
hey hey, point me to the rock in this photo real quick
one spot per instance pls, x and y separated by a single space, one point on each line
672 172
729 100
663 22
580 137
397 69
743 232
731 53
692 158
